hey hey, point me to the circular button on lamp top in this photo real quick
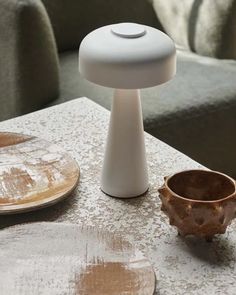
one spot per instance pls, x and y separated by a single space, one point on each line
128 30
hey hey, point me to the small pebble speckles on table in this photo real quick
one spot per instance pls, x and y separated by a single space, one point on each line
182 266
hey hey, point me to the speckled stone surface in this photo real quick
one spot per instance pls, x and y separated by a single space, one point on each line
182 266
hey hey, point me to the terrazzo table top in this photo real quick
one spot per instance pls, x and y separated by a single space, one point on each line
182 266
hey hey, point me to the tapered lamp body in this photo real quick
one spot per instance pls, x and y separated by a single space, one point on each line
124 171
126 57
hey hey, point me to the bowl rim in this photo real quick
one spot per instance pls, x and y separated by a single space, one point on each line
204 171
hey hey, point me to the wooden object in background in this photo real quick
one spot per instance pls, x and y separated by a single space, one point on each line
34 173
57 258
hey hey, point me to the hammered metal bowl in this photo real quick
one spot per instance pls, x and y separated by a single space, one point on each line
199 202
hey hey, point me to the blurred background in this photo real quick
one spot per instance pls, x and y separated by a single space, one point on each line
195 112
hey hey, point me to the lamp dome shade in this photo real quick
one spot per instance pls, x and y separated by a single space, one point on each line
127 56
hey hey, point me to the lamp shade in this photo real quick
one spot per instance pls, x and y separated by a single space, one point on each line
127 56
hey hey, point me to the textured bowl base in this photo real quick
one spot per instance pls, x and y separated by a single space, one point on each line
207 238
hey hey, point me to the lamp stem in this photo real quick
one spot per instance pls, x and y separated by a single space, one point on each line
124 172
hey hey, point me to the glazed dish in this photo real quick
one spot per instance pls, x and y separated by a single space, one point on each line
34 173
56 258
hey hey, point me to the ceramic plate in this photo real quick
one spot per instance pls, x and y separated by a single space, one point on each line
34 173
57 258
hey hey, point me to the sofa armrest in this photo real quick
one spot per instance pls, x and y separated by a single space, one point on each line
29 74
204 26
72 20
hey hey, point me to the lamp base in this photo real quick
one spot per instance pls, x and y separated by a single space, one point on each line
130 197
124 172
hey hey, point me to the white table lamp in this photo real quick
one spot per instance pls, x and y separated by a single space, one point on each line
126 57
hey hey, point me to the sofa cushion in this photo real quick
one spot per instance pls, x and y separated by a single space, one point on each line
204 26
73 19
195 112
29 75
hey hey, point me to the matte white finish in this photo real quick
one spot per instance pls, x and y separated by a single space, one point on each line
127 57
128 30
146 58
124 172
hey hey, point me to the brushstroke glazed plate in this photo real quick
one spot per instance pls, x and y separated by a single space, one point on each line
34 173
56 258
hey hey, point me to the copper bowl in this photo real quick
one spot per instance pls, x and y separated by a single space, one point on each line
199 202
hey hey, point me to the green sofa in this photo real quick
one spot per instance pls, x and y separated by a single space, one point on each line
195 112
